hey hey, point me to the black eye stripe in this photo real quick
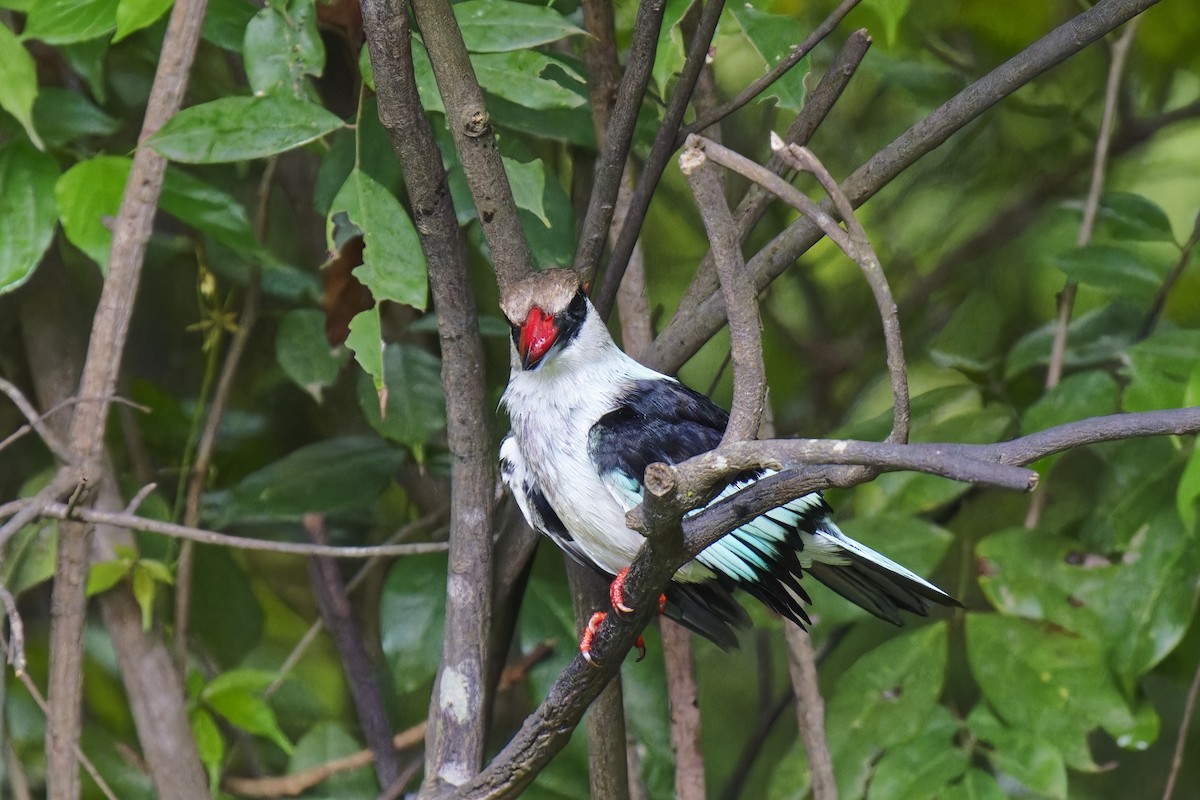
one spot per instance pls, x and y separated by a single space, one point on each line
570 321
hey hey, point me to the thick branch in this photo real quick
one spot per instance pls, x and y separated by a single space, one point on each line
460 705
470 126
692 326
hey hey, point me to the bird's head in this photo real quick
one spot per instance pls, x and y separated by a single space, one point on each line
546 312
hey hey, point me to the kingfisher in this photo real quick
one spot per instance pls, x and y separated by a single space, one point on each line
586 421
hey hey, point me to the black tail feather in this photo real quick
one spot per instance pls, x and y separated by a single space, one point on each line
708 609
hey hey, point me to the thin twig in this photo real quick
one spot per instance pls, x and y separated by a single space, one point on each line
753 748
810 711
15 651
1185 724
778 71
1091 207
745 326
660 155
299 782
35 421
134 522
864 255
1164 291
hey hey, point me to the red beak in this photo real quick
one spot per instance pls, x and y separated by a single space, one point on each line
538 335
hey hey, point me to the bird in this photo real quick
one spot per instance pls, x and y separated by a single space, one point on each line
586 420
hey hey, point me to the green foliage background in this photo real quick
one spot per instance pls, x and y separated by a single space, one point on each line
1065 676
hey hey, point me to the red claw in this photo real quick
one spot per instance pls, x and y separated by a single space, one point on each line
616 594
589 633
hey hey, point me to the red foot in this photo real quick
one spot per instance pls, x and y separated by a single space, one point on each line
589 633
616 594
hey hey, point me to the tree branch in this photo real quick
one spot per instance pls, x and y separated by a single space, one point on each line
471 128
660 155
460 706
64 511
810 711
110 327
745 327
621 121
691 327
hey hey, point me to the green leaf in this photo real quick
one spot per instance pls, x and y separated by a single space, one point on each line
248 680
1130 217
971 341
104 575
1019 754
209 743
1187 495
336 476
1091 338
528 181
1139 605
66 21
18 83
143 592
241 128
30 556
393 263
414 405
157 570
1111 268
792 777
63 116
1158 370
282 47
133 15
412 614
1045 681
304 353
669 56
27 211
366 342
210 210
527 77
882 700
249 712
225 23
774 37
89 196
494 26
922 766
890 12
975 785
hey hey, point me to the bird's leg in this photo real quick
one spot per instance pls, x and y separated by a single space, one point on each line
616 594
589 633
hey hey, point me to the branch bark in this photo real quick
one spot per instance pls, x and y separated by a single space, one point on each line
461 703
810 711
471 128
